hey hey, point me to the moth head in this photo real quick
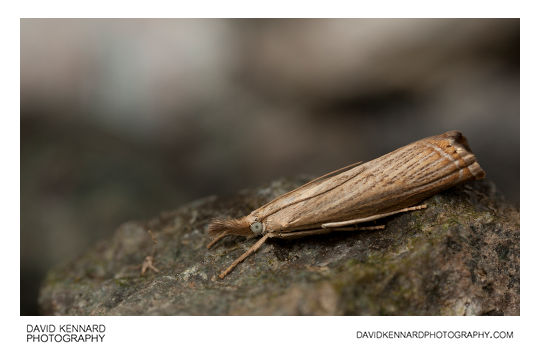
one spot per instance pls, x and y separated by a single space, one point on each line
245 226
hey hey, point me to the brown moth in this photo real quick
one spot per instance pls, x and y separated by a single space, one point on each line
358 193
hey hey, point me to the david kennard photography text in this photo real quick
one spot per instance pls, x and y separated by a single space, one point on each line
65 333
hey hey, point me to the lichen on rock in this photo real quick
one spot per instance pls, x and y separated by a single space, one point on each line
460 256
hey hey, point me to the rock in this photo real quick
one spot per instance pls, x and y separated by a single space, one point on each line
460 256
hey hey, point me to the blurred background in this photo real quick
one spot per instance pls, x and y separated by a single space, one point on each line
122 119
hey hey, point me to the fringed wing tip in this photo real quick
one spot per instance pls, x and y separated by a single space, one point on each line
464 150
477 171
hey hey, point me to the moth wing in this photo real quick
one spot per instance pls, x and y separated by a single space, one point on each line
308 190
318 180
389 183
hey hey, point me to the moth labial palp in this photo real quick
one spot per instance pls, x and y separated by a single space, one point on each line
358 193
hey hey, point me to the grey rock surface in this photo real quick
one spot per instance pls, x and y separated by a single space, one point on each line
460 256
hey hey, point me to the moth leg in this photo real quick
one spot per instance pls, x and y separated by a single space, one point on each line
371 218
246 254
292 235
298 234
373 227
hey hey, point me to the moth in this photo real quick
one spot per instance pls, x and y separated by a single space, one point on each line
358 193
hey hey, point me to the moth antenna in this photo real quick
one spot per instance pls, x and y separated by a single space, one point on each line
221 227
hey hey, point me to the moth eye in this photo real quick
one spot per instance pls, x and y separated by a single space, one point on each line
256 227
